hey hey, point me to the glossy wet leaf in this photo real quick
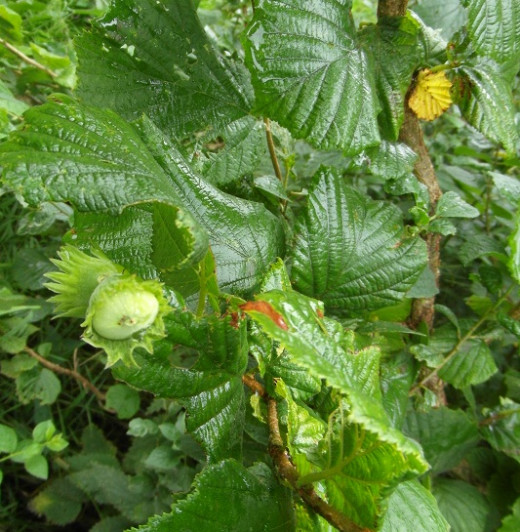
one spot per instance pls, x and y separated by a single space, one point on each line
244 236
244 142
494 27
97 162
451 205
310 73
412 508
486 102
155 58
227 496
351 252
211 390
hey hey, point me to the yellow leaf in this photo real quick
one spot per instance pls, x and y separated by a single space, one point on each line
431 95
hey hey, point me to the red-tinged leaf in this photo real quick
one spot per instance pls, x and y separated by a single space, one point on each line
265 308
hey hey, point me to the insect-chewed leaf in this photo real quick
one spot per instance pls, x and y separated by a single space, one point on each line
431 95
265 308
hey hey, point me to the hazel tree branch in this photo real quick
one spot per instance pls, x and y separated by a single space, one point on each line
287 470
56 368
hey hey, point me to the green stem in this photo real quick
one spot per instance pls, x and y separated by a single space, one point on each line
27 59
498 416
462 341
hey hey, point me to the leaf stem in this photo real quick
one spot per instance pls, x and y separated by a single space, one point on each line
498 416
69 372
287 469
28 59
272 151
461 342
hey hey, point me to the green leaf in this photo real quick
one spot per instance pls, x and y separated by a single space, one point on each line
8 101
227 496
44 431
313 78
471 365
511 522
486 103
451 205
448 16
38 467
321 345
8 439
97 162
60 502
38 383
493 27
124 400
350 252
514 242
501 427
391 160
154 58
464 507
412 508
212 389
507 185
445 435
244 142
392 36
244 236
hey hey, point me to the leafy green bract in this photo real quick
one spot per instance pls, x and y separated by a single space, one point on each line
310 73
153 57
351 252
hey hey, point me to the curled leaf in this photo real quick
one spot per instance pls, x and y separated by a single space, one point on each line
431 95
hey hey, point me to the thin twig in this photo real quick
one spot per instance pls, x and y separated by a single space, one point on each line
64 371
272 152
28 59
287 470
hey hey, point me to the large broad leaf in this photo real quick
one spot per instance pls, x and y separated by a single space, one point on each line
494 28
97 162
391 37
486 102
244 236
412 508
352 252
445 435
211 390
153 57
310 73
227 497
321 345
464 507
102 165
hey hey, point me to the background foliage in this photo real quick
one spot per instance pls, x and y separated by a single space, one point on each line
262 163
